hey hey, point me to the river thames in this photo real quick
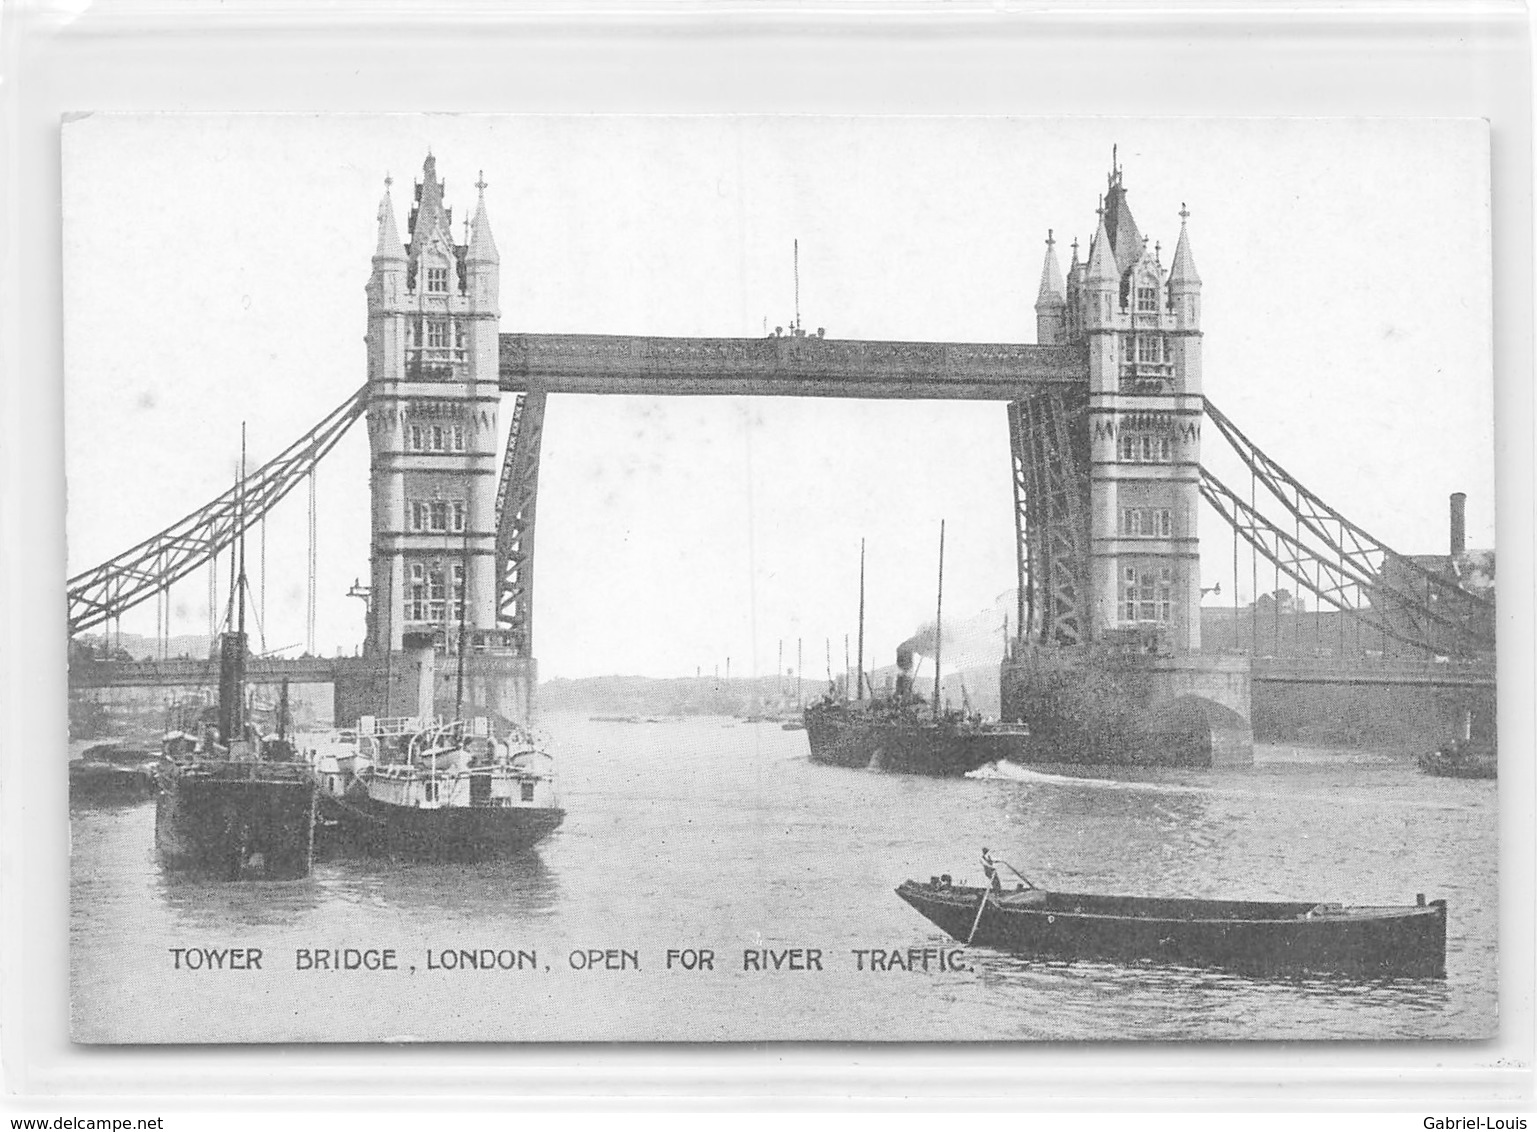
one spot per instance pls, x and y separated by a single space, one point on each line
713 836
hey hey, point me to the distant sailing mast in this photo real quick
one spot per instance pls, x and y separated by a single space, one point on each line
939 618
860 657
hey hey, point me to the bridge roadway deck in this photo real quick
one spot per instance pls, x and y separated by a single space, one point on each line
784 366
1367 670
193 673
324 670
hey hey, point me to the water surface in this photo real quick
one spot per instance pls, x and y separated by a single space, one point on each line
712 834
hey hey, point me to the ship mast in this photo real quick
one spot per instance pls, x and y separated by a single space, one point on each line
939 616
232 647
860 657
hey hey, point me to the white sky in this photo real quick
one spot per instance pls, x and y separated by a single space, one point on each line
214 270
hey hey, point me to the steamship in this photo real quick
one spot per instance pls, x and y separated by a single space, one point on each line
903 733
900 732
428 788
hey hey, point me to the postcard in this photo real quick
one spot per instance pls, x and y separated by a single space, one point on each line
548 579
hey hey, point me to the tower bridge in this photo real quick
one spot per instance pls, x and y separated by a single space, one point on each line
1105 412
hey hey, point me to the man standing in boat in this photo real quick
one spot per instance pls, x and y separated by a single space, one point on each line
990 871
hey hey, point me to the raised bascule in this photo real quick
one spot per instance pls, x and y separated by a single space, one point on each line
1105 416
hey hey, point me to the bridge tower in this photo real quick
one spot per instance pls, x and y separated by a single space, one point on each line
433 395
1108 491
1142 326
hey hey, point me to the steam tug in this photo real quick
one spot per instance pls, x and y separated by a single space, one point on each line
901 732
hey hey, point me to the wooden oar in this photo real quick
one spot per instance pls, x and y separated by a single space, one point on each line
988 873
986 892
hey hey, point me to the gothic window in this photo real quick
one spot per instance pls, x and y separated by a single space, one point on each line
458 438
437 333
458 512
437 279
1165 599
1149 349
418 515
437 514
458 595
416 438
437 438
1147 300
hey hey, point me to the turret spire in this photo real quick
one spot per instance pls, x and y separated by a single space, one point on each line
1052 291
1102 261
1183 271
482 246
390 246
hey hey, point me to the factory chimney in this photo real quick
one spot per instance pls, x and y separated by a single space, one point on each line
1459 523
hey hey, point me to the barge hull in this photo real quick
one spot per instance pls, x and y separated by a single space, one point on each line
1258 938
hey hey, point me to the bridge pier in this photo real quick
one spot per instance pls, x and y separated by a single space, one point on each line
1094 704
497 684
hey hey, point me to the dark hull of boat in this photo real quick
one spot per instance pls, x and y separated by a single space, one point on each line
104 784
1444 764
1259 938
358 822
907 746
236 829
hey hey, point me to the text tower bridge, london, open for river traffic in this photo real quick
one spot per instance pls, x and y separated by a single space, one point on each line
1107 415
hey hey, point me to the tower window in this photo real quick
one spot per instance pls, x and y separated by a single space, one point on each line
1147 300
416 438
437 279
428 593
437 438
436 606
437 333
416 593
458 438
1150 349
438 515
1146 447
1147 594
1147 522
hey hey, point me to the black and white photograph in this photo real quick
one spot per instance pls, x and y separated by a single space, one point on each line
753 578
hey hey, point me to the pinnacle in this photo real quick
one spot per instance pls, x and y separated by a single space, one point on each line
1183 269
1052 290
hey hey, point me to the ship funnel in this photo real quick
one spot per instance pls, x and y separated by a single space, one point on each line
1459 523
904 671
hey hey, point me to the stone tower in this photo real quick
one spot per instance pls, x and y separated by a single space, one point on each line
433 394
1141 325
